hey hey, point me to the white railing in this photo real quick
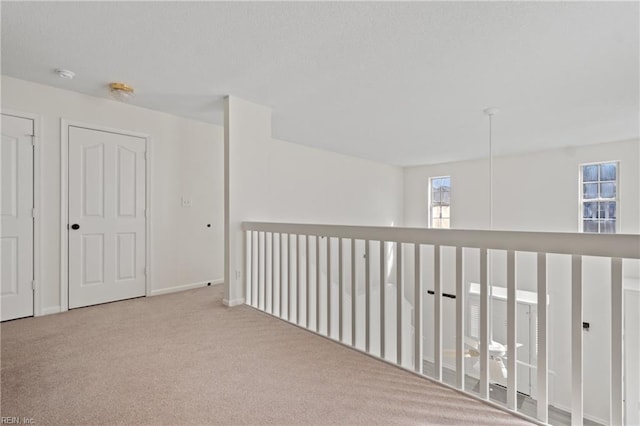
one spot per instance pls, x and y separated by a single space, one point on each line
286 277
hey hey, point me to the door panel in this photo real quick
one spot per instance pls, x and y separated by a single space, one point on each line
126 173
126 256
92 164
107 203
16 207
93 259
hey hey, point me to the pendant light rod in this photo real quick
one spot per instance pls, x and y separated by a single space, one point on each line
490 112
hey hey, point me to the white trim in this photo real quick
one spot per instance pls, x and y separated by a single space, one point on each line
64 207
56 309
626 246
566 409
148 179
64 214
219 281
183 287
51 310
236 302
37 204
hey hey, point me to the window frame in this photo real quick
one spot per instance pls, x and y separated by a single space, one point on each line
429 200
582 200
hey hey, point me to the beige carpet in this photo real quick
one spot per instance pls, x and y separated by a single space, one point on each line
184 358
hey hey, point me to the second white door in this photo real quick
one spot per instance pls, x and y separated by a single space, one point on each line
16 209
107 216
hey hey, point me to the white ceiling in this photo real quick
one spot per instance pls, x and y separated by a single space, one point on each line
401 83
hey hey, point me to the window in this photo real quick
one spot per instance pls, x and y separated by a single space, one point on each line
440 202
599 197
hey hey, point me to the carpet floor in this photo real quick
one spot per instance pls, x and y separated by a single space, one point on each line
184 358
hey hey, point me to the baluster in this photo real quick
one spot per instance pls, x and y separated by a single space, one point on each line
367 297
254 271
437 314
353 292
290 263
282 274
248 248
340 289
383 289
543 354
328 286
576 341
268 283
399 301
298 280
417 312
459 321
512 350
617 309
308 281
317 283
261 270
483 345
273 271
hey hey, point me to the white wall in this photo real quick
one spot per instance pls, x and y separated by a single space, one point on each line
187 160
539 192
523 187
276 181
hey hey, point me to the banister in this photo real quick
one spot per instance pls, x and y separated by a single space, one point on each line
625 246
291 253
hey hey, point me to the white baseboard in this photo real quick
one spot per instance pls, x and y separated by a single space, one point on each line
56 309
586 416
50 310
233 302
183 287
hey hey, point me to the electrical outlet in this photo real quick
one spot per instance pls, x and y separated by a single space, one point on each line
186 202
237 274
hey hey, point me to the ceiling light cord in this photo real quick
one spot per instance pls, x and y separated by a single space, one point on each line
490 280
490 112
490 172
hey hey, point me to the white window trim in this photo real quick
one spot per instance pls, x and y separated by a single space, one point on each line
616 199
430 193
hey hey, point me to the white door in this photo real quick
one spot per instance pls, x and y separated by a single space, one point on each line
107 223
16 248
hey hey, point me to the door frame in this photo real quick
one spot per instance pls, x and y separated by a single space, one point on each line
64 204
37 203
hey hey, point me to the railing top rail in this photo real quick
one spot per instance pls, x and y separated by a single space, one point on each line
625 246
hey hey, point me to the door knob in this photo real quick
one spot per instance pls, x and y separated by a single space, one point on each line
75 226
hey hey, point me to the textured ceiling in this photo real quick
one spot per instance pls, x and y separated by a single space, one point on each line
401 83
